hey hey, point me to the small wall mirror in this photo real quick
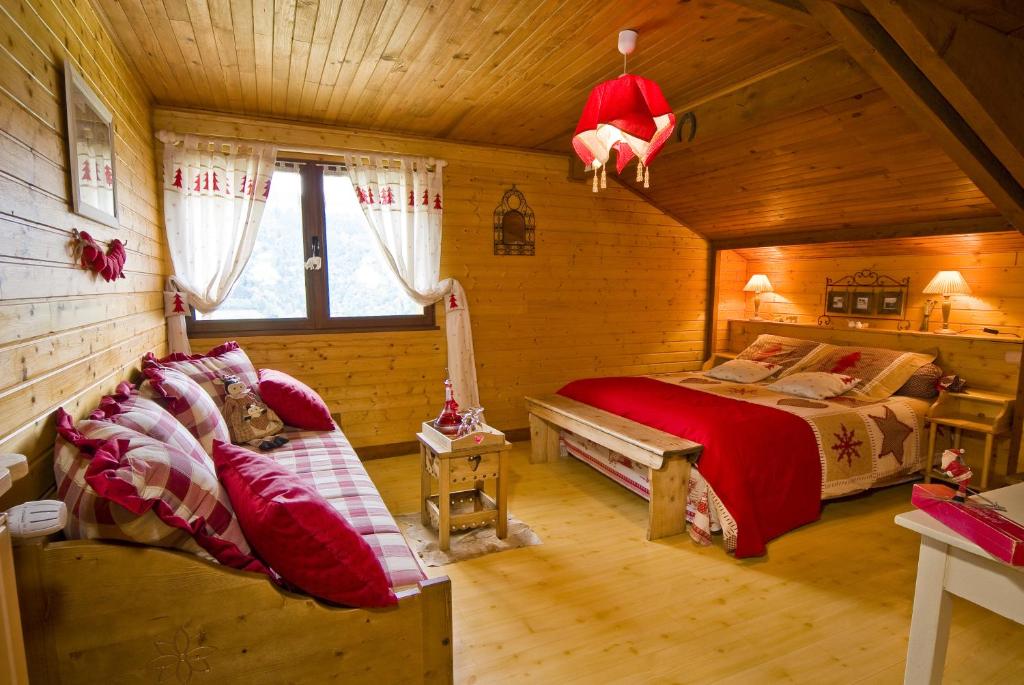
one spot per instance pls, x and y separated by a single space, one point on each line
90 151
513 225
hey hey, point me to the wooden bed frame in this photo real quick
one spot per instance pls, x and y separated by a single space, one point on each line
667 457
101 612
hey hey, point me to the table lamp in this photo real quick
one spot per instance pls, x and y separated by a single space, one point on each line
758 284
947 283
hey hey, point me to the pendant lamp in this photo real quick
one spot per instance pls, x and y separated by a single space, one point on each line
627 114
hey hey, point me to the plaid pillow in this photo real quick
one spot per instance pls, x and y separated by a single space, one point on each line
119 484
207 369
187 402
777 349
126 407
882 371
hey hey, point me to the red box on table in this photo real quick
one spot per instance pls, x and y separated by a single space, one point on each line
1001 537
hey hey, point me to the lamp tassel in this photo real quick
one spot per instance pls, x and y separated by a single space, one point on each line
647 177
596 172
639 170
604 176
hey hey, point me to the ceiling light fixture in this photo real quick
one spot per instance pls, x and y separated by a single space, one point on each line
628 114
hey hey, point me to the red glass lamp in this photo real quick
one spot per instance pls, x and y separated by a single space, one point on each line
629 115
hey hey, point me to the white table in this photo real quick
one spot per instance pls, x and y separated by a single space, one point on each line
952 565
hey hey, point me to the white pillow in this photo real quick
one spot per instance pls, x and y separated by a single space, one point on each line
743 371
815 385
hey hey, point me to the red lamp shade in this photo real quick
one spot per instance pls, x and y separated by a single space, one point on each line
628 114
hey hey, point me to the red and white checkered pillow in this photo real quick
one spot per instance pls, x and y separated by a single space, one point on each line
207 369
187 402
121 485
126 407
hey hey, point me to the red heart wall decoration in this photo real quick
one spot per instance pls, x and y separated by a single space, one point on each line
109 264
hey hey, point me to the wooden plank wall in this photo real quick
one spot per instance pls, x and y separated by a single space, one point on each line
65 335
616 287
732 276
996 279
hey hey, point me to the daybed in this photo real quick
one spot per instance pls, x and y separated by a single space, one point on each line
764 459
108 612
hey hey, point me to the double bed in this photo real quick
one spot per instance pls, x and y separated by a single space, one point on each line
748 460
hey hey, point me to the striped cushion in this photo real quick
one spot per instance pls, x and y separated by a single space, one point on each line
187 402
121 485
207 369
881 371
126 407
778 349
327 462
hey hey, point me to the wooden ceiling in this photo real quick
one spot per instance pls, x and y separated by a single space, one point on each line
792 135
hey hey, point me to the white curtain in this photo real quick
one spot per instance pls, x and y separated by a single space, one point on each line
214 195
402 200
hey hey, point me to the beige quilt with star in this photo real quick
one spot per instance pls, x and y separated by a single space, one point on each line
861 444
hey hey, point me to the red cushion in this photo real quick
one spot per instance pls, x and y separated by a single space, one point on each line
297 532
295 402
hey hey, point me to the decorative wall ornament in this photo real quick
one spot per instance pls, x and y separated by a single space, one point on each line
90 151
514 227
109 264
866 295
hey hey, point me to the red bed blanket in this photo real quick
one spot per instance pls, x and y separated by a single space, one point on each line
762 462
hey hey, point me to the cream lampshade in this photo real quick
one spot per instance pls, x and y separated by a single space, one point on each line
947 283
758 284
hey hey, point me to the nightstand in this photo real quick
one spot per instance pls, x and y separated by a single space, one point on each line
462 466
980 411
717 358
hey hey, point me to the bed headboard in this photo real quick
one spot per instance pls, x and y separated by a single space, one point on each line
987 362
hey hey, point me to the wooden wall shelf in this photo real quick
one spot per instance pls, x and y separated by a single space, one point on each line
854 332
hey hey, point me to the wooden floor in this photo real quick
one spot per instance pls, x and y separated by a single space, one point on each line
596 603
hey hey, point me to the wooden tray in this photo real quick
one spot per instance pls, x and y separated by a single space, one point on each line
484 437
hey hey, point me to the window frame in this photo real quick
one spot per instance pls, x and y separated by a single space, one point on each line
318 319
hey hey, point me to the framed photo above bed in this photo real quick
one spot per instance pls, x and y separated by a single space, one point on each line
837 301
866 295
863 303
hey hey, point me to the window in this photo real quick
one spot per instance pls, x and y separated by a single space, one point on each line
312 210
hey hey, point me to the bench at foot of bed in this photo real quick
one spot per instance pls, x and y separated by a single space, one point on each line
667 457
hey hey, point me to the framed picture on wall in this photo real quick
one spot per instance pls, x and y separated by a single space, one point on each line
863 302
890 303
90 151
838 301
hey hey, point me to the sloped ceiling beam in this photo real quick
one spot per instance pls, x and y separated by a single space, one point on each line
791 10
844 234
957 55
876 51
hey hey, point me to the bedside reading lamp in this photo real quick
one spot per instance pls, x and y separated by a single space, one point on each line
758 284
947 283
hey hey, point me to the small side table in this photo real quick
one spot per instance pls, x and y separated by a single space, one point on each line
458 465
949 564
981 411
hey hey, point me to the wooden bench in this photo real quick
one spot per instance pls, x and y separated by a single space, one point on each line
667 457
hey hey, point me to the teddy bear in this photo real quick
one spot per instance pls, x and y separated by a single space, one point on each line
249 419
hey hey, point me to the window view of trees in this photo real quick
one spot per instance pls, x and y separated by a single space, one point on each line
359 282
273 285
